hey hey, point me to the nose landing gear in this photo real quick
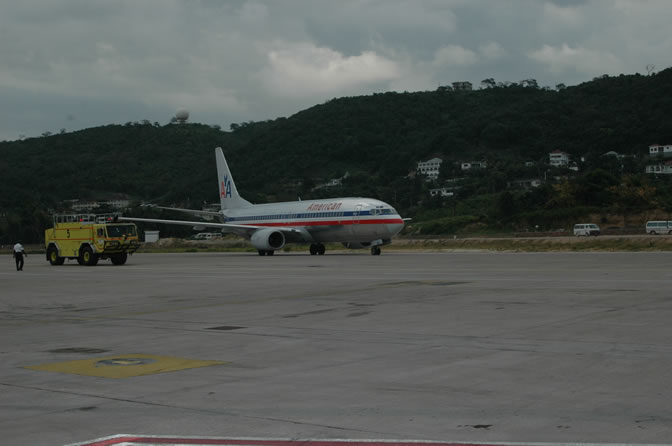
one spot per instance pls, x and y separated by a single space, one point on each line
375 251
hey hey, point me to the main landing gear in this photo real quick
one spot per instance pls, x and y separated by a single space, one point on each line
375 251
263 252
317 248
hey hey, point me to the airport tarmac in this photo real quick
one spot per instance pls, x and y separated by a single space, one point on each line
444 346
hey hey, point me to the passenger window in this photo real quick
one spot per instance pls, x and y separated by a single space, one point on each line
101 232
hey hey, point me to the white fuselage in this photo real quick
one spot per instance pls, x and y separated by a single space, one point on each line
329 220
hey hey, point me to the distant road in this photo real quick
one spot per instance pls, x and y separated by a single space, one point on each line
543 242
541 236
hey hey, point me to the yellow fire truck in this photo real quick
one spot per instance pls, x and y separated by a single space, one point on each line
88 238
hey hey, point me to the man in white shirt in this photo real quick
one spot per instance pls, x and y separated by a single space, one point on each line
18 255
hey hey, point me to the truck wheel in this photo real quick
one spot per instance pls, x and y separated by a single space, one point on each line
54 258
119 259
87 256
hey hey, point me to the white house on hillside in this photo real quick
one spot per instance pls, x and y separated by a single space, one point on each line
660 168
89 205
657 149
474 165
442 192
464 86
430 168
524 184
558 158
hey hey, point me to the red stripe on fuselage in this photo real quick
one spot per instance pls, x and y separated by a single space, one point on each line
327 222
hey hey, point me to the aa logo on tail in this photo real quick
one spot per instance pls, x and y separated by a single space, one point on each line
226 187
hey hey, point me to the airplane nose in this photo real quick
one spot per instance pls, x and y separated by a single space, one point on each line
395 228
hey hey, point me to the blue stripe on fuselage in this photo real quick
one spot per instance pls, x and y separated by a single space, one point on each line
307 215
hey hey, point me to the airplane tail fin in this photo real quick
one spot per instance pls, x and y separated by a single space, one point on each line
228 194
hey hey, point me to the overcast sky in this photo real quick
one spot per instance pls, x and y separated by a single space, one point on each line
75 64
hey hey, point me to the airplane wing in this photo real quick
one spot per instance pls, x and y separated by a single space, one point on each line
246 231
205 214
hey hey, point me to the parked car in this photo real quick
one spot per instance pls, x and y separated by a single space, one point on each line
586 229
659 227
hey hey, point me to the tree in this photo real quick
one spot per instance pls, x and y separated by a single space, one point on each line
632 195
529 83
505 205
564 195
488 83
594 187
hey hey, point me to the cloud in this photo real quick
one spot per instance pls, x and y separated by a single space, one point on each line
562 59
240 60
253 13
568 3
400 14
454 55
492 51
564 14
304 69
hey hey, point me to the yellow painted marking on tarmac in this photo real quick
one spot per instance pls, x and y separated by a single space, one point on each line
124 366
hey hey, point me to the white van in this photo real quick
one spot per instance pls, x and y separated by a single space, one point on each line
659 227
586 229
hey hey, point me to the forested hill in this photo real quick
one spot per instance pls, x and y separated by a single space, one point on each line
377 139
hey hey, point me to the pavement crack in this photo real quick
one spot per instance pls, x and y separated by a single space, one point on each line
203 411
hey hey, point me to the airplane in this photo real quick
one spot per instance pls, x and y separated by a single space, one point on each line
354 222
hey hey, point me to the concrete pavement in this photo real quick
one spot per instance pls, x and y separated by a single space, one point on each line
473 346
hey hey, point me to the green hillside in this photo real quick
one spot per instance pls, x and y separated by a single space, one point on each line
378 140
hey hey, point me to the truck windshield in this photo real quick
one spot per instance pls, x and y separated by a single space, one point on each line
120 230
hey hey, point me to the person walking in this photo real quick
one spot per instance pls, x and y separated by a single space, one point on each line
19 252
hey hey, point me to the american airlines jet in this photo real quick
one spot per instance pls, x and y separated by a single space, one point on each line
355 222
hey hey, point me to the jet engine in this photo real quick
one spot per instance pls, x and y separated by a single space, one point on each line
268 239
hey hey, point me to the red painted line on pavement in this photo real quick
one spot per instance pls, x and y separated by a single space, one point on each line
139 440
